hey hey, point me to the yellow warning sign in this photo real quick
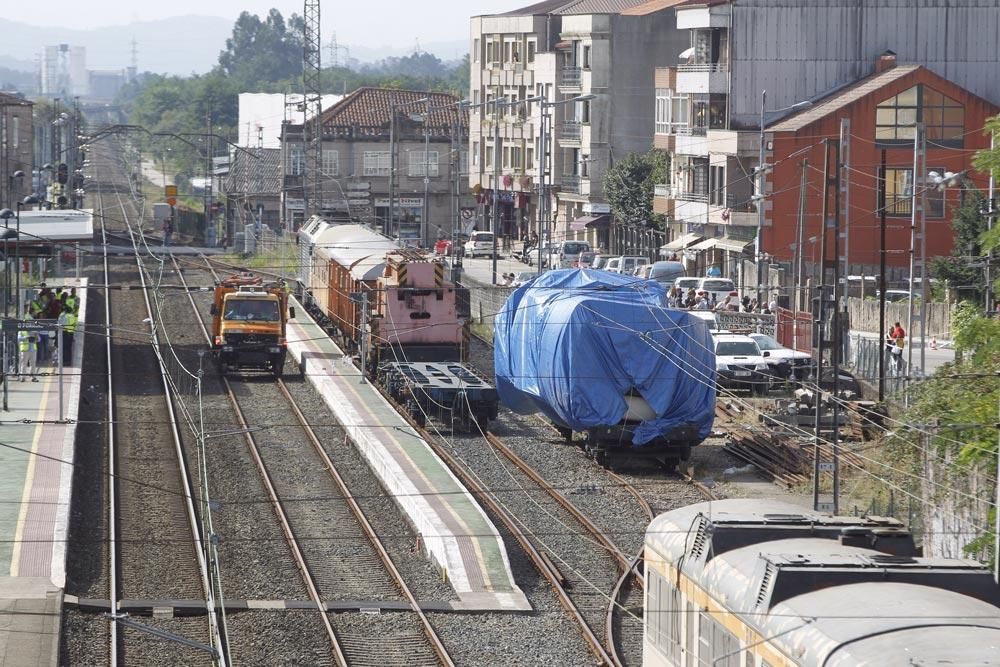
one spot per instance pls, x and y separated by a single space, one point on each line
170 192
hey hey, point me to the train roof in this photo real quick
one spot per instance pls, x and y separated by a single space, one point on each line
356 247
885 623
813 582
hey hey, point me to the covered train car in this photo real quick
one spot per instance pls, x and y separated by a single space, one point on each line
763 583
598 353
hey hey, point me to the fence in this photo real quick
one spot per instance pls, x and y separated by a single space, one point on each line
486 302
863 357
864 316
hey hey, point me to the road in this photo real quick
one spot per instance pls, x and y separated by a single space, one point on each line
480 269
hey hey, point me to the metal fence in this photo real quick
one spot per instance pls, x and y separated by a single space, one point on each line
863 358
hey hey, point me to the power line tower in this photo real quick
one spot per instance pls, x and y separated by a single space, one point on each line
313 101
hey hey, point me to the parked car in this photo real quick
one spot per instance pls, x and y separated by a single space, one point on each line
599 262
687 283
625 264
894 295
586 260
783 361
740 364
479 244
564 254
720 287
642 271
523 277
535 253
665 273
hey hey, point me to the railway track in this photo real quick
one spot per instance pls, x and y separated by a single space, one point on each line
154 541
344 558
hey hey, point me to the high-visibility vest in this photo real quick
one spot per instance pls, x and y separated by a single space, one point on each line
68 320
70 302
26 341
35 307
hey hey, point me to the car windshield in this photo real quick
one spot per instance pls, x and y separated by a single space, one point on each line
575 248
256 310
767 343
737 348
718 286
686 283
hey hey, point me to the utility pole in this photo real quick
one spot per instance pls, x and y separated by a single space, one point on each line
991 212
882 213
495 213
799 253
845 197
543 200
312 97
917 186
827 262
387 223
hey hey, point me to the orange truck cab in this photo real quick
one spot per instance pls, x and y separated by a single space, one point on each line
249 318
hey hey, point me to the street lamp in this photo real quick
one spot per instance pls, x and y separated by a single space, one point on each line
761 170
543 200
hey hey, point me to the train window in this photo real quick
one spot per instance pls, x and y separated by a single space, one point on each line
717 647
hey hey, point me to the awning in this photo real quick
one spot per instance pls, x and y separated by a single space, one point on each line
680 243
589 221
563 45
721 243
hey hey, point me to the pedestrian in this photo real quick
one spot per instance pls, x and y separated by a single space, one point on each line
68 321
27 343
168 231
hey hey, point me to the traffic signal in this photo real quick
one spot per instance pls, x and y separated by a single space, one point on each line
62 174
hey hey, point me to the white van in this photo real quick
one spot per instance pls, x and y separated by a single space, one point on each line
625 264
564 254
480 243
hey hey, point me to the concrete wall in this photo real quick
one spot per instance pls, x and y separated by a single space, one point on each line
798 52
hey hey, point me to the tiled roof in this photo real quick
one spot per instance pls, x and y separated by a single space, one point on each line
371 107
576 7
843 98
651 6
7 99
248 175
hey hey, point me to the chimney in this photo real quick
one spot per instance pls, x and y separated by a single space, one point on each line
885 62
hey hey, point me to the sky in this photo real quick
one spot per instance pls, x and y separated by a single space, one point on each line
435 21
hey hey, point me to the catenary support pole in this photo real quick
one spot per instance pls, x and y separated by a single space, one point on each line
882 213
820 311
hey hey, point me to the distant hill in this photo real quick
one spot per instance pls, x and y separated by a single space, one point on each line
180 45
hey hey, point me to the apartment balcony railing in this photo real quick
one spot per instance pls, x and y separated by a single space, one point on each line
570 184
662 190
570 130
740 205
686 195
692 131
570 76
704 67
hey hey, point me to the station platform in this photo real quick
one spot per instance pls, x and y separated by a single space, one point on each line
36 477
457 534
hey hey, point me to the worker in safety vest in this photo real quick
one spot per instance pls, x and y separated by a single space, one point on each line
72 300
68 320
27 345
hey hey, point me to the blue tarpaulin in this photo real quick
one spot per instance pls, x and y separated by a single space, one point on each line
572 344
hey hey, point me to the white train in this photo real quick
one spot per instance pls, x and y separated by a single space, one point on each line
750 583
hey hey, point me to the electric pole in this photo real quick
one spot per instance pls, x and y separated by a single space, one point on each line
312 97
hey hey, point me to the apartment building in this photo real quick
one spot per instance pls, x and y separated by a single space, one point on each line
419 137
767 59
16 148
602 50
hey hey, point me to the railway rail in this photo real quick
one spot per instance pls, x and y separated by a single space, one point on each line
150 500
327 570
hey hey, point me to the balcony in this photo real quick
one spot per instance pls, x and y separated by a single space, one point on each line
691 141
703 78
571 184
569 131
731 142
571 78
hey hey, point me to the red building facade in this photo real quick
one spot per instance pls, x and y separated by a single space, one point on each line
882 111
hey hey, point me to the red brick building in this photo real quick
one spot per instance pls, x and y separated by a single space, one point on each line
882 110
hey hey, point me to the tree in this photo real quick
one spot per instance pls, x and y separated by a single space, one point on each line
629 187
267 50
968 224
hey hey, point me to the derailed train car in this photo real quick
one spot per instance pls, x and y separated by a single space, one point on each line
393 308
762 583
599 354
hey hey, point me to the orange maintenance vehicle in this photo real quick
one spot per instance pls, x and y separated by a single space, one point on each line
248 323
